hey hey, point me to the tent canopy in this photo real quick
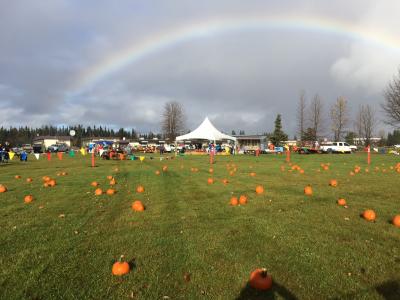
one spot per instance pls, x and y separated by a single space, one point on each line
206 131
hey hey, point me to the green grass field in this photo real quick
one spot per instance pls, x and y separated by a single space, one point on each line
190 243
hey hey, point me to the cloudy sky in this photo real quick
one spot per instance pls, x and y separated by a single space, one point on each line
239 62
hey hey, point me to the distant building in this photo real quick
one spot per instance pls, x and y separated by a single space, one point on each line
251 142
47 140
361 141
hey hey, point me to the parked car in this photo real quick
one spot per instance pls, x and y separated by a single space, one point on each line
336 147
53 148
62 148
27 148
38 148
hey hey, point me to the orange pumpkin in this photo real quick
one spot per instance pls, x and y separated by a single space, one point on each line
98 192
308 190
211 170
260 279
259 189
243 199
137 206
225 181
396 221
333 183
341 202
252 174
369 215
157 172
113 182
301 171
140 189
28 199
120 268
29 179
3 189
109 177
94 183
17 176
165 168
110 192
46 178
210 181
46 184
234 201
52 182
64 173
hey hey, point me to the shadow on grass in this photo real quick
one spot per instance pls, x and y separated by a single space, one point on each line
248 293
389 290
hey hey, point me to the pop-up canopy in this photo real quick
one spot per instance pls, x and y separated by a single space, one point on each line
206 131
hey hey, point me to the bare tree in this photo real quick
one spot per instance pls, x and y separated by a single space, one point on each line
301 115
339 117
368 123
358 126
391 106
173 120
315 117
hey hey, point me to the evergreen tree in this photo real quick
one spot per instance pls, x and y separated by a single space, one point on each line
278 135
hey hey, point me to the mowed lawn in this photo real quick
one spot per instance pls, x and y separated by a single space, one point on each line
190 243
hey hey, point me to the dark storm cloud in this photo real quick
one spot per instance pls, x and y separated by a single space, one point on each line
240 79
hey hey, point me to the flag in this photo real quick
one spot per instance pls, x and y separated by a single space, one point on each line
141 158
83 151
60 155
11 154
71 153
37 155
48 156
101 151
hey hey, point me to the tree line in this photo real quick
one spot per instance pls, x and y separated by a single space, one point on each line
311 122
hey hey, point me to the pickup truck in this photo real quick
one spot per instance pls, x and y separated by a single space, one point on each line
336 147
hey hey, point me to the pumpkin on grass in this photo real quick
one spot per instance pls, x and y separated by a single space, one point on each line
28 198
140 189
210 181
260 279
341 202
109 177
52 182
211 170
29 179
225 181
157 172
120 267
110 192
234 201
94 183
243 199
17 176
252 174
308 190
137 206
333 183
165 168
369 215
98 192
259 189
396 221
113 182
3 189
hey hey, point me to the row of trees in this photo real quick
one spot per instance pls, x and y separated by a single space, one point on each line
311 120
25 135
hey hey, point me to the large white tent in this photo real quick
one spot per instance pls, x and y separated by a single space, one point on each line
206 131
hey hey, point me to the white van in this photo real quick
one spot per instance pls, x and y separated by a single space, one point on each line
336 147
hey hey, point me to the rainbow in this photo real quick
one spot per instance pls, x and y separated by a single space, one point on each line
209 28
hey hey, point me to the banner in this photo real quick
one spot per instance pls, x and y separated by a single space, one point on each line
11 154
60 155
37 155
